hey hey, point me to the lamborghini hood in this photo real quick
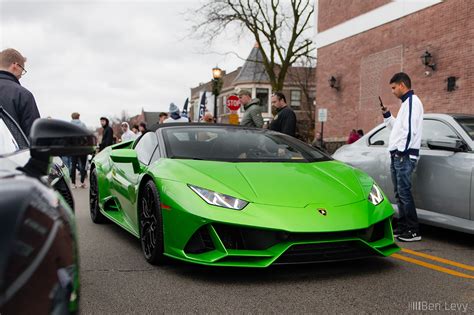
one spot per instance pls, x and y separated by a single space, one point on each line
282 184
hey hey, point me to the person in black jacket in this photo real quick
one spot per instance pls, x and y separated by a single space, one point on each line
15 99
107 134
285 118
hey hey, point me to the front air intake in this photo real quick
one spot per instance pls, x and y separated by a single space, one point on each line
200 242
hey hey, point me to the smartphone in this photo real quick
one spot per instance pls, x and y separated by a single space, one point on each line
381 105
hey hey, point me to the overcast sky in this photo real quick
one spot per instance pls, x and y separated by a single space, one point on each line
99 57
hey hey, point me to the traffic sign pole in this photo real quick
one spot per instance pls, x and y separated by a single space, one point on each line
233 103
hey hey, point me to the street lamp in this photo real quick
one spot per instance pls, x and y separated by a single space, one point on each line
216 87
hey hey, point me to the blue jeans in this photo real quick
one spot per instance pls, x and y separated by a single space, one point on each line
402 168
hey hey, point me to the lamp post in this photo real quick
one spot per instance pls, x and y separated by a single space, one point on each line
216 87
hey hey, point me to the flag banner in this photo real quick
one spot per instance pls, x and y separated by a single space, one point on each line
184 112
202 106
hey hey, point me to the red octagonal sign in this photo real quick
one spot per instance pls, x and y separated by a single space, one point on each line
233 102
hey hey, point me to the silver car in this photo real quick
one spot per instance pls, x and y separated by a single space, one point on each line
443 181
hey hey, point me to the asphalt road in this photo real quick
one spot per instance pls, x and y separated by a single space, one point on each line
116 279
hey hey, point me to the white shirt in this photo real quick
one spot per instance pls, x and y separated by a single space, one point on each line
128 135
406 128
181 119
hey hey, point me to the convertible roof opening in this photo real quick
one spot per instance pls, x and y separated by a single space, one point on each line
236 144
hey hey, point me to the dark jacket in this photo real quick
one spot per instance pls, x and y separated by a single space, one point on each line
284 121
107 137
17 101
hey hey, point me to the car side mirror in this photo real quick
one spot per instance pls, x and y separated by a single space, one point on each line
52 137
126 156
447 144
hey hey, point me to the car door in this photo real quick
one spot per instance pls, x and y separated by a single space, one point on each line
442 179
126 181
375 160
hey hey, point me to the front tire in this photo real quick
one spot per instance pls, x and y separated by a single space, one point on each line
151 224
96 215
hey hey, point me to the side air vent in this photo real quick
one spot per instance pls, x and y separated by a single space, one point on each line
110 205
200 242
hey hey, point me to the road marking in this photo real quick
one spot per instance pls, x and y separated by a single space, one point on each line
431 266
439 259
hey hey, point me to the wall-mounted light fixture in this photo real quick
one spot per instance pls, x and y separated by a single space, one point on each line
427 60
333 83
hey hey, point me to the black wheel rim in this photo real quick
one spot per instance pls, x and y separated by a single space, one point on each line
148 222
93 195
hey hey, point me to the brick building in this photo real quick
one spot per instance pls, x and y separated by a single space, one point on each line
365 43
299 89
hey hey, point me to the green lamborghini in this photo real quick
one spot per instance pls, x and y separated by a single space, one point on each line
225 195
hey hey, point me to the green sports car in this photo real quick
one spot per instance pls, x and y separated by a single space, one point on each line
225 195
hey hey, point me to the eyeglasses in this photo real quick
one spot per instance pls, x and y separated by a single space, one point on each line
23 70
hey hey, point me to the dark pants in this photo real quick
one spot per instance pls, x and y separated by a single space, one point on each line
401 168
81 162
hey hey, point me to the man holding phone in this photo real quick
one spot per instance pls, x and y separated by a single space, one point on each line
404 146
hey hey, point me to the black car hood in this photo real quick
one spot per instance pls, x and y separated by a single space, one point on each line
16 194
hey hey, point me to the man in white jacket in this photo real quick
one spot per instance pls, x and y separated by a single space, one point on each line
127 134
404 146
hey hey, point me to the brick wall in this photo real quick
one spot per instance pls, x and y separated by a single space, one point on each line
364 63
333 12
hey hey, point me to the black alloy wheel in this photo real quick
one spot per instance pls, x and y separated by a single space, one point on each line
151 224
96 215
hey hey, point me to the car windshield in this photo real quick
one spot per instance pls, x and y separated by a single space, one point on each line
236 144
467 123
8 144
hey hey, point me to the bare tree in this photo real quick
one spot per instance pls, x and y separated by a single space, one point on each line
279 29
304 76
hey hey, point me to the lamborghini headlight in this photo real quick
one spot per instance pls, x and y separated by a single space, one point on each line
220 200
375 195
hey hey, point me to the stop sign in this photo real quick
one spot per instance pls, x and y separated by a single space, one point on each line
233 102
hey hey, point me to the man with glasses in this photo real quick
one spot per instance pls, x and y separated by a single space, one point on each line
15 99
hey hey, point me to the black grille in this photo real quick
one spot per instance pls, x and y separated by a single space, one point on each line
200 242
322 252
236 237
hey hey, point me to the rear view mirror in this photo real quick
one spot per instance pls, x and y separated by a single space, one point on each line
126 156
52 137
447 144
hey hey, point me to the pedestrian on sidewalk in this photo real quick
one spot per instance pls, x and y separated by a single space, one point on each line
404 146
127 134
162 117
353 136
107 134
285 118
142 127
252 110
175 115
78 162
15 99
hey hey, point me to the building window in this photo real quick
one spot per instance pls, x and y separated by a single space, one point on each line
295 98
262 95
